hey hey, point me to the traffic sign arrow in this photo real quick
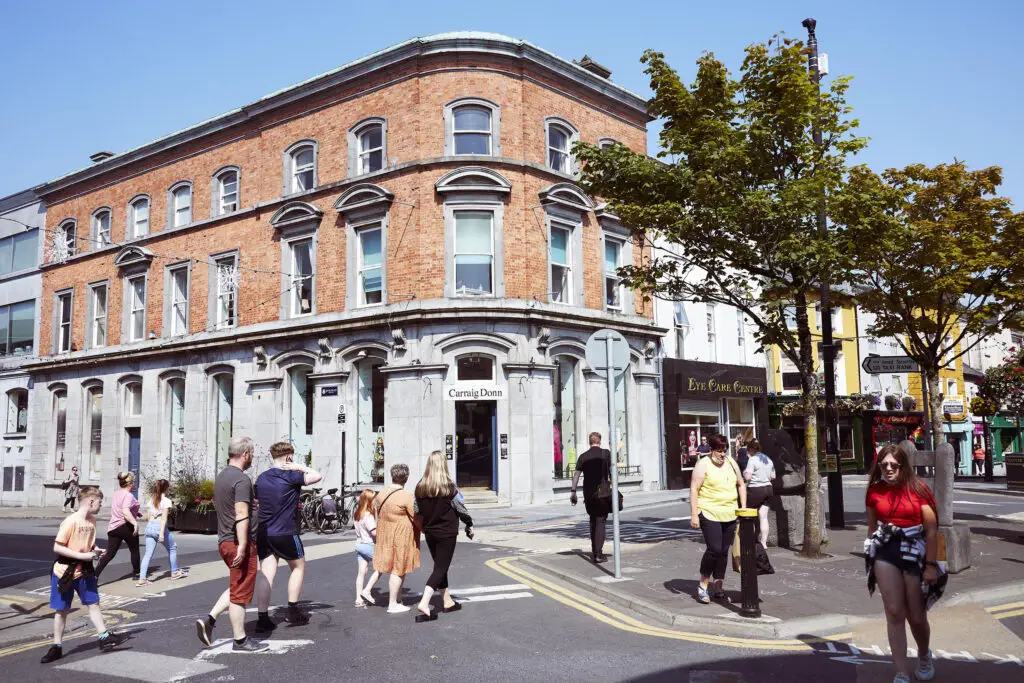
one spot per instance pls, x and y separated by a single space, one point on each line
877 365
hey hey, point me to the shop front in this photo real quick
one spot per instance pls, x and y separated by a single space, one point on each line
891 427
702 399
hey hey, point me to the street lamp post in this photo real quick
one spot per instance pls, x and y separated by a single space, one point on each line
836 515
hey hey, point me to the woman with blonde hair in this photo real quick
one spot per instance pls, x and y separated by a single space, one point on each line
157 510
439 513
366 538
398 537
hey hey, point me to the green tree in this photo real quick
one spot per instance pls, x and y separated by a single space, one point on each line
937 258
733 198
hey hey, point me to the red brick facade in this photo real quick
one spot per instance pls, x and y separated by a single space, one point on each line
411 96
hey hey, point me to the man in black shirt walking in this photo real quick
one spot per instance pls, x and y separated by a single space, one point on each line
596 466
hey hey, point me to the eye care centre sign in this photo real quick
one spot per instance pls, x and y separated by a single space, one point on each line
694 379
474 391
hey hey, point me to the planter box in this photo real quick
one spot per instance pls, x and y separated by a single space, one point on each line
195 522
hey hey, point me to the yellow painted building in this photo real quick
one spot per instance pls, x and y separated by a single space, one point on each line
782 377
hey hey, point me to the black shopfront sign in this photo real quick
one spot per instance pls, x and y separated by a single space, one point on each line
693 380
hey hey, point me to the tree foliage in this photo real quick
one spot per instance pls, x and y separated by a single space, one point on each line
936 257
1003 386
733 198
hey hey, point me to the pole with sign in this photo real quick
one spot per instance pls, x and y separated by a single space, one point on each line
608 356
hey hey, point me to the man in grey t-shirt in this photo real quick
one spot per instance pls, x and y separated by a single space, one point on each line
232 496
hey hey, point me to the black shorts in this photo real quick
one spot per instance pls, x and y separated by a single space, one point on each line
282 547
759 495
892 553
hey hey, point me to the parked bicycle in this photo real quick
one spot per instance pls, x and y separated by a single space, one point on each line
323 513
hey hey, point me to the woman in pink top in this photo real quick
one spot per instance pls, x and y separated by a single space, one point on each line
124 524
366 538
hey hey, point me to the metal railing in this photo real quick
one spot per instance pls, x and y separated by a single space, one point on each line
624 471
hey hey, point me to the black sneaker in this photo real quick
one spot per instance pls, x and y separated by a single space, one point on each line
296 617
53 654
112 640
599 558
265 625
204 631
250 645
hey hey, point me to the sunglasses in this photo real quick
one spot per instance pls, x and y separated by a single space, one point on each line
887 465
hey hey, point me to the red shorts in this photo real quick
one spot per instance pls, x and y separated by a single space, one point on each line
243 577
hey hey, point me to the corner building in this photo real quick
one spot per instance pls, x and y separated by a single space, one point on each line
384 260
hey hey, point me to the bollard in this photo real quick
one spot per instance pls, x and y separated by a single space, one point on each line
751 606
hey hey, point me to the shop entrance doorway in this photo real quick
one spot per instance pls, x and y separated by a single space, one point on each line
475 434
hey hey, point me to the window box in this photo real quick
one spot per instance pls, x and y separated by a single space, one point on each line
193 521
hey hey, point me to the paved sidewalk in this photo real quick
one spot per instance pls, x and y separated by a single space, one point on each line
803 596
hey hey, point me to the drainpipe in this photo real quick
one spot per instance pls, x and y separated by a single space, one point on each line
662 445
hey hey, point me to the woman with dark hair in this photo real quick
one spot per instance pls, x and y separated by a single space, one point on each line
123 526
717 489
759 474
157 509
900 555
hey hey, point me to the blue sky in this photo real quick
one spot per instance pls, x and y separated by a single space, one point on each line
933 80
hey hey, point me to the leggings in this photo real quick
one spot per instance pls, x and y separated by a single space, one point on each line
126 534
718 537
442 550
597 530
152 538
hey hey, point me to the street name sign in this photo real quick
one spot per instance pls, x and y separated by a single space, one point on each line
880 365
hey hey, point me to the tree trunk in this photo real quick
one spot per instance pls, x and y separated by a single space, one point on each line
809 383
935 407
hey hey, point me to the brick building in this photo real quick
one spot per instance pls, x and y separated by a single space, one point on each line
383 260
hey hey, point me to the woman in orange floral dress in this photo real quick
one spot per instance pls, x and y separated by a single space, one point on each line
398 538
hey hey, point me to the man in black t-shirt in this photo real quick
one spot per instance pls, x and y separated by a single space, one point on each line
595 465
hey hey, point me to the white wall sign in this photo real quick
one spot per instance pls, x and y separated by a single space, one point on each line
474 391
954 406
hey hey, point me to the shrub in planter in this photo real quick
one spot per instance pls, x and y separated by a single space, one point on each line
909 403
891 402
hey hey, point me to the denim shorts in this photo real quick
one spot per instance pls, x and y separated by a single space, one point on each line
365 551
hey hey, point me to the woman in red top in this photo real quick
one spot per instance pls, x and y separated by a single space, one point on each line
901 549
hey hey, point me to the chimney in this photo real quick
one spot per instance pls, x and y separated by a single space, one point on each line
593 67
100 156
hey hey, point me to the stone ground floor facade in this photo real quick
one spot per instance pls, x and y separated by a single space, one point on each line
15 457
501 386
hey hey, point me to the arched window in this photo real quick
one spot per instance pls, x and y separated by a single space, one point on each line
133 399
101 228
475 367
180 205
370 420
300 410
371 149
17 411
94 426
472 126
138 217
68 230
59 427
225 192
565 424
222 400
560 135
175 407
300 167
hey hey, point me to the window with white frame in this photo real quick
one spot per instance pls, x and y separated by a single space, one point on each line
712 333
559 152
226 292
897 385
471 129
64 309
179 286
612 283
94 427
789 314
98 316
136 308
681 325
951 388
474 252
60 430
371 148
836 314
227 192
223 402
175 414
101 228
301 276
17 411
139 217
133 399
68 231
371 273
872 345
303 168
949 352
17 328
561 262
181 205
741 336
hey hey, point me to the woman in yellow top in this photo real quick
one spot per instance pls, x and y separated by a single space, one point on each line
717 489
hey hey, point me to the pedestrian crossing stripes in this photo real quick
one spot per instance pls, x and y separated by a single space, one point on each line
136 665
512 591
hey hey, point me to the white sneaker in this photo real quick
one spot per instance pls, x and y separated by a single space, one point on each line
398 609
901 678
925 667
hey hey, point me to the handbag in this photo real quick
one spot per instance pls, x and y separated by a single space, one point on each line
604 489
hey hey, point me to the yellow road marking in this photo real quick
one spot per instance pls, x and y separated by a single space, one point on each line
19 600
1007 615
1009 605
120 616
624 622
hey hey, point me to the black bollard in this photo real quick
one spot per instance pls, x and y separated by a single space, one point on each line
751 606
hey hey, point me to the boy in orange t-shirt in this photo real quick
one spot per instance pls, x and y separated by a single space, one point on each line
75 547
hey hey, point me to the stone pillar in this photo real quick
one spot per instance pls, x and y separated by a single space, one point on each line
530 460
648 441
413 416
264 409
956 537
328 388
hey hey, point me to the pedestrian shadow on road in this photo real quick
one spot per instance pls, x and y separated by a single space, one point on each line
689 587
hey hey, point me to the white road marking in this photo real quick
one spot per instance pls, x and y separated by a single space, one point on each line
1015 517
490 589
673 519
137 665
21 559
496 596
974 502
277 647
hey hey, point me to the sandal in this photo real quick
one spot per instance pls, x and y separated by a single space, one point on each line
702 595
141 583
179 575
361 603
